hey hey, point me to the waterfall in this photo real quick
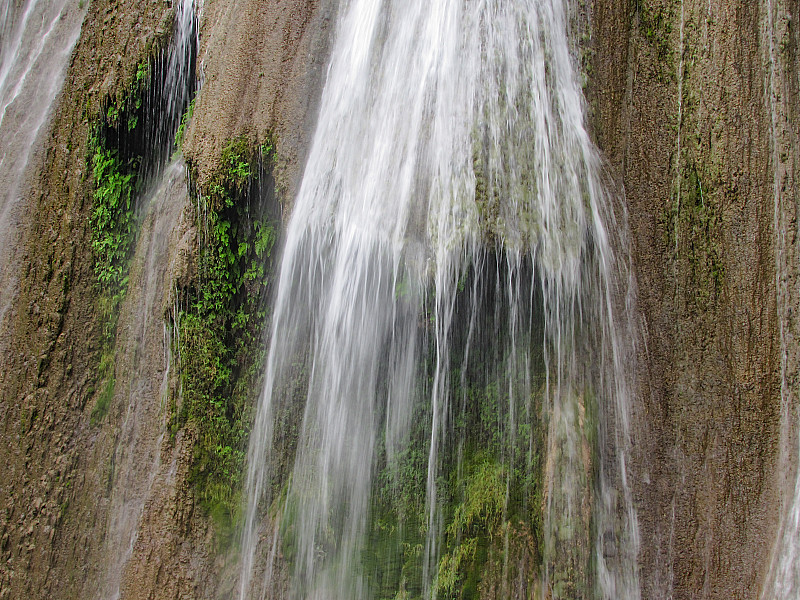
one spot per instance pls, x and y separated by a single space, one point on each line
451 284
36 41
143 346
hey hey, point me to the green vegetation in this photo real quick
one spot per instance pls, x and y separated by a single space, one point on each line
220 347
221 322
113 234
393 555
107 393
475 522
126 108
112 218
488 204
494 491
219 327
490 498
489 479
187 116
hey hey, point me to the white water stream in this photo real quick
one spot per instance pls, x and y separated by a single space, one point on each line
783 578
143 348
450 163
140 379
36 41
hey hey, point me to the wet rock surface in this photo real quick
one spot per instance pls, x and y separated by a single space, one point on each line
695 105
680 101
62 473
262 65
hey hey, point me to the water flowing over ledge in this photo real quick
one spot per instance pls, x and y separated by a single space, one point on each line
452 264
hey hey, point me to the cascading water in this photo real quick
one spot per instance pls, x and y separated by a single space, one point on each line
783 581
140 375
36 40
137 456
447 361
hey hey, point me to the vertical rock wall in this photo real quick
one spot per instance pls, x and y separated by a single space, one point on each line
51 496
262 65
61 470
699 124
695 105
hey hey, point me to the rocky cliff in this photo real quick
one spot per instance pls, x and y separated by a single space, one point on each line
65 485
695 105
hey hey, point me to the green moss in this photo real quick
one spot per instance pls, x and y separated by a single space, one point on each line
487 203
475 522
185 119
112 219
392 559
236 169
113 228
104 401
655 24
114 157
220 347
125 107
489 480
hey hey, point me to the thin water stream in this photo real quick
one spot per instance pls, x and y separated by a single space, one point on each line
36 41
783 578
143 349
449 369
141 375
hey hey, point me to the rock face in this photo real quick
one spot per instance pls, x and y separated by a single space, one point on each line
262 65
52 495
695 105
65 476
